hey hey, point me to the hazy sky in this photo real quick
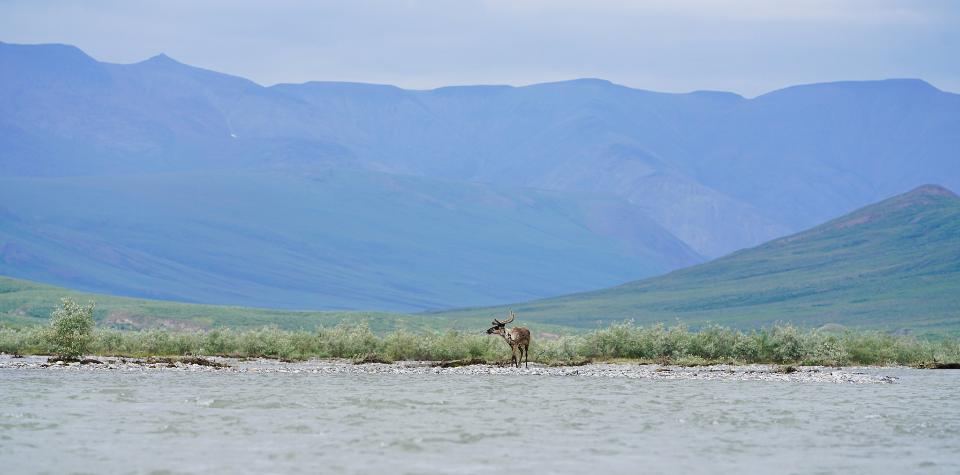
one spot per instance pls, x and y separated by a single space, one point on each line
749 46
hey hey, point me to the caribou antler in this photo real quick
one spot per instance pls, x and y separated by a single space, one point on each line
512 316
495 321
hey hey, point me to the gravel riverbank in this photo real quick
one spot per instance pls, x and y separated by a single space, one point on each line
801 374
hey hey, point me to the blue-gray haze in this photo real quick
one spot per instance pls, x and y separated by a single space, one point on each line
746 46
164 180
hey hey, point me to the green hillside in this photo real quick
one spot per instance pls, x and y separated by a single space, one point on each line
24 303
892 266
323 239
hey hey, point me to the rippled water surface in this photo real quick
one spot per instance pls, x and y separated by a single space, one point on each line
116 422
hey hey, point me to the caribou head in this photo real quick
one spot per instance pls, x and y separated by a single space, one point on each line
499 327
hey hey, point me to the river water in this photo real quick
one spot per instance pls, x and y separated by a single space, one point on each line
218 422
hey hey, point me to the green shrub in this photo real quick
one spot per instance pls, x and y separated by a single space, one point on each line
109 342
401 345
24 341
215 342
713 342
785 344
349 341
747 348
72 335
71 329
827 350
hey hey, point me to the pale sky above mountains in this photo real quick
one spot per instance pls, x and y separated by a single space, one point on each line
746 46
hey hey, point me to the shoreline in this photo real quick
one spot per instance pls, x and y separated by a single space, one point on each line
716 372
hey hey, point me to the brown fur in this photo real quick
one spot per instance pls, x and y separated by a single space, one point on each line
517 337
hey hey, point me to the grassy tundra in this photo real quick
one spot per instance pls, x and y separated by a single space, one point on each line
783 344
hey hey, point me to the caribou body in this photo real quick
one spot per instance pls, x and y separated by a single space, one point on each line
517 337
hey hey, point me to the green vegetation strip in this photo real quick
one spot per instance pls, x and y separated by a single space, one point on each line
68 336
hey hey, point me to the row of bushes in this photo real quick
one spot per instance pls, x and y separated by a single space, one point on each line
779 344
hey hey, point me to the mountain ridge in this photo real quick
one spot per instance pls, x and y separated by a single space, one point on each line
162 58
717 171
898 270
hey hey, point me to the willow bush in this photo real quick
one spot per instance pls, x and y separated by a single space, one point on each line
71 329
782 344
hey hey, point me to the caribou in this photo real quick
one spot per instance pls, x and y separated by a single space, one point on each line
517 337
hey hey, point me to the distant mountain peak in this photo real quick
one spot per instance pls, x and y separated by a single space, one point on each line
578 82
930 190
161 58
910 83
599 81
920 198
893 86
162 65
48 53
